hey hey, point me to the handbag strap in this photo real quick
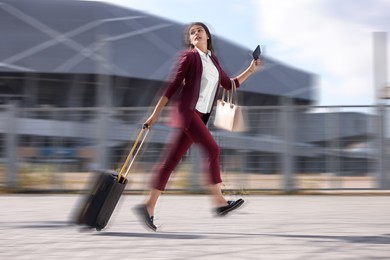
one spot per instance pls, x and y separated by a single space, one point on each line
223 95
230 93
233 91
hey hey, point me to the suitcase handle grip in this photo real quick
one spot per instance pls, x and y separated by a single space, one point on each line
130 158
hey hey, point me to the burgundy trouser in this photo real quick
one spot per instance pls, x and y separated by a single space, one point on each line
196 133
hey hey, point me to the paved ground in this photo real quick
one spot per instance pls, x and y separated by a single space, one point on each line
268 227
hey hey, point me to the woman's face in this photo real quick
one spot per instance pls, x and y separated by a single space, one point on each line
198 36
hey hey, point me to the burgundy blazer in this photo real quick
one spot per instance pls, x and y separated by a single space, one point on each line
186 78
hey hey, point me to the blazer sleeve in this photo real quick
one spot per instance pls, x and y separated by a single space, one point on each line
225 79
178 75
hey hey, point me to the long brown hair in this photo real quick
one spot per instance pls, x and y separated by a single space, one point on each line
186 38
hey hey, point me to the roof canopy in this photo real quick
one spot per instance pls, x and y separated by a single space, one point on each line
76 37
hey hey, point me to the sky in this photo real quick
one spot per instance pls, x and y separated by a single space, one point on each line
332 39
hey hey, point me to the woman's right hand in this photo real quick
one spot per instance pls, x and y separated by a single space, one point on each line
150 121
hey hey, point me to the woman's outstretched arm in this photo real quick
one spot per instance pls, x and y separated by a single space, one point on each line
253 67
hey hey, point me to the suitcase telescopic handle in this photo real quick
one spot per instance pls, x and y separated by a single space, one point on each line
130 158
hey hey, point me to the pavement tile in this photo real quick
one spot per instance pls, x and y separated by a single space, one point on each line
267 227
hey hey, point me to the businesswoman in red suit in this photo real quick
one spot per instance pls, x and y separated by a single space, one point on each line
197 76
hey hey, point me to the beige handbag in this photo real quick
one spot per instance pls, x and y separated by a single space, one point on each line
228 115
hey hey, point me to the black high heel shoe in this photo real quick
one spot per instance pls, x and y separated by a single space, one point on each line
143 214
232 205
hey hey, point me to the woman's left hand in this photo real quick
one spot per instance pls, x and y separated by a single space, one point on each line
255 65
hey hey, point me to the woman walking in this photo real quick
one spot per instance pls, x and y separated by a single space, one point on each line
197 76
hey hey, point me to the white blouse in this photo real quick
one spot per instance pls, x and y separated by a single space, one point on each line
208 83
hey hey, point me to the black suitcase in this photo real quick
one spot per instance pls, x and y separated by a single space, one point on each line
98 205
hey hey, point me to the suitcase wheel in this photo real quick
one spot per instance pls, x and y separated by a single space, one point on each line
99 227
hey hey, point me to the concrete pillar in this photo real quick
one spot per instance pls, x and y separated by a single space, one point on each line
12 147
197 172
380 82
333 154
287 126
103 101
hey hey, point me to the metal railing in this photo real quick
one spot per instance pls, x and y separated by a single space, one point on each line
285 148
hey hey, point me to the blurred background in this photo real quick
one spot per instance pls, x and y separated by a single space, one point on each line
78 79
